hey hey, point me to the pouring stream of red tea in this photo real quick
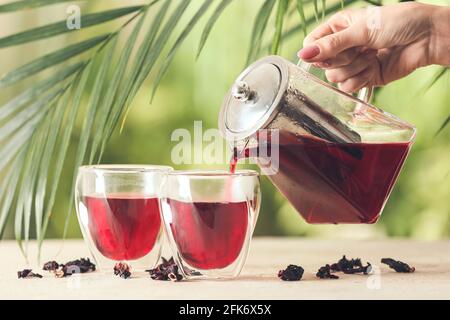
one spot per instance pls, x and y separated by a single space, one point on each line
234 159
236 155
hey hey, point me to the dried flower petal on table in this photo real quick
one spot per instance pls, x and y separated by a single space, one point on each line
364 269
27 273
167 270
122 270
351 266
50 266
291 273
346 264
82 265
325 273
398 266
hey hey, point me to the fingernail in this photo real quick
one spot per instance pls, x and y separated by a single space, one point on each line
309 52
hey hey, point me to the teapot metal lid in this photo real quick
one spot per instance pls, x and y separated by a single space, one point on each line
253 100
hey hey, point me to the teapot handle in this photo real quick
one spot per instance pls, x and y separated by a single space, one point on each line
365 94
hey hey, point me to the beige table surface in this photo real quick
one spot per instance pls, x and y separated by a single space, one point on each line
258 279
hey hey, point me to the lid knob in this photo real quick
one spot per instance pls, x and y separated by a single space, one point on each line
242 92
253 100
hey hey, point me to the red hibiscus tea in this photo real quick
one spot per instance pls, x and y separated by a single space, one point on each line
118 208
209 218
209 235
123 226
330 182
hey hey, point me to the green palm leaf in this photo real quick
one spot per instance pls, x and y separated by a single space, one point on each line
210 24
88 122
35 91
119 72
439 74
165 34
310 20
375 2
19 210
28 4
24 128
152 56
301 12
9 186
200 12
41 185
324 8
31 177
61 26
444 124
81 80
136 77
34 154
50 60
20 221
316 10
281 12
26 114
258 28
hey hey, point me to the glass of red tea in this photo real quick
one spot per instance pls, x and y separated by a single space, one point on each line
209 218
118 208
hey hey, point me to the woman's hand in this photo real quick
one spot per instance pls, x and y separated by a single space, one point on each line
377 45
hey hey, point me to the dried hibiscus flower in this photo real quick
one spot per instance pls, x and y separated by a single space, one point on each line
50 266
398 266
167 270
325 273
81 265
76 266
291 273
122 270
27 273
351 266
344 265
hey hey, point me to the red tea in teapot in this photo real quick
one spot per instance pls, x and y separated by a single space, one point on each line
329 182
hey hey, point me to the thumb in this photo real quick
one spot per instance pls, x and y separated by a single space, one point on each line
331 45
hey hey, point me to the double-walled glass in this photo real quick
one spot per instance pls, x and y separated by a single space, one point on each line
209 219
118 208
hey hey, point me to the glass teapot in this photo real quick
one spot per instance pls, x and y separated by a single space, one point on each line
333 156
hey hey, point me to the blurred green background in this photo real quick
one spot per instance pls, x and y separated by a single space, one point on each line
193 89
